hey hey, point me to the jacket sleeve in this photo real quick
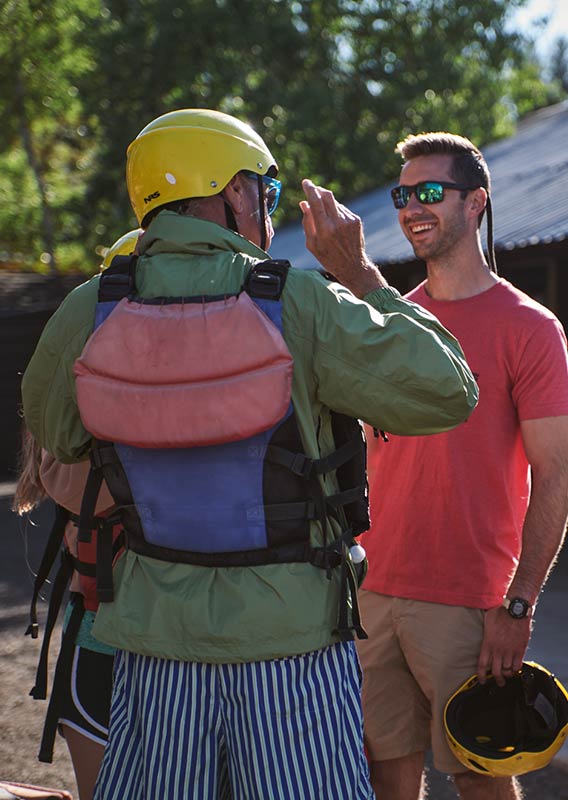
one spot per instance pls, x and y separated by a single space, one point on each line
48 386
384 360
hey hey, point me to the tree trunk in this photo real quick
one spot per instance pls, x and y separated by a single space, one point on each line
47 224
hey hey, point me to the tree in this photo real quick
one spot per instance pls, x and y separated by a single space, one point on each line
331 85
559 63
41 134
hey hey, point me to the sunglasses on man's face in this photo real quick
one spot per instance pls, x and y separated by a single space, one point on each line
272 188
427 192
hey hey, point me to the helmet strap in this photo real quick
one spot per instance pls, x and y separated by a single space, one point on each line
261 212
230 217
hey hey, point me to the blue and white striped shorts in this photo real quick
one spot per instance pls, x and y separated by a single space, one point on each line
288 729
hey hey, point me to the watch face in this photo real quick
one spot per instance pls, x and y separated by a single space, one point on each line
518 608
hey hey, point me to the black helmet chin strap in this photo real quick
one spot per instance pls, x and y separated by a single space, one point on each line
261 212
230 217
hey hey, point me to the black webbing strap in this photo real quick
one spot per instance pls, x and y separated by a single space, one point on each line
101 455
119 280
52 548
60 680
300 464
105 553
345 497
39 690
348 601
278 512
339 457
88 504
84 568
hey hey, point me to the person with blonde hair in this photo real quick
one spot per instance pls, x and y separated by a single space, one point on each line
79 704
80 699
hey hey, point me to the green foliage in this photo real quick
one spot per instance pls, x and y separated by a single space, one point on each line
332 85
43 129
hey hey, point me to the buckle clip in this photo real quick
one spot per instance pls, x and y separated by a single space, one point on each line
301 465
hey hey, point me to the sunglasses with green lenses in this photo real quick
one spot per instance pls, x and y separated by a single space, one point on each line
427 192
271 191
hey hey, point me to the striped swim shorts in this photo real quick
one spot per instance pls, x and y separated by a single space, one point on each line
287 729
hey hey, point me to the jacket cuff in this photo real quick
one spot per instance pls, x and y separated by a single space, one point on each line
382 299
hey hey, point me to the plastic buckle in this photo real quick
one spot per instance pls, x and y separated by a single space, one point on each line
301 465
264 285
33 630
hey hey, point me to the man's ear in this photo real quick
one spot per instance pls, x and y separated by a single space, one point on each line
233 193
477 200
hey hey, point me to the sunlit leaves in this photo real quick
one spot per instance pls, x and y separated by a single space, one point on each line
331 85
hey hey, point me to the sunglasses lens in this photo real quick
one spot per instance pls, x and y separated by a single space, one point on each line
400 196
426 193
429 193
272 193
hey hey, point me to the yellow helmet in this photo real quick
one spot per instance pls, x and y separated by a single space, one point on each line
192 152
123 246
508 730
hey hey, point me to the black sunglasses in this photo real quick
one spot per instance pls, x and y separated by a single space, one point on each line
427 192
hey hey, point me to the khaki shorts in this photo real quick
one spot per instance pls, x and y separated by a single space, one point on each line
416 656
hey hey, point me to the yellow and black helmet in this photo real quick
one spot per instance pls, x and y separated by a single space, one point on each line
191 152
511 729
123 246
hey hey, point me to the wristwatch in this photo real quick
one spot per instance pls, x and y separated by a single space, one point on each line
517 607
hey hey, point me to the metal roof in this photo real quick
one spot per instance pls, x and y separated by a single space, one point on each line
529 173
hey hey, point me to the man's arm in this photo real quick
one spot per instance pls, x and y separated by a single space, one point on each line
48 386
506 639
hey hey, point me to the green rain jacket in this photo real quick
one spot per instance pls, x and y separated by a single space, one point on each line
382 359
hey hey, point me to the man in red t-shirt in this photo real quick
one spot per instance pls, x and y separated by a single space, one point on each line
464 522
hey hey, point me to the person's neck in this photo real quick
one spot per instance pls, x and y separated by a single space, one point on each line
458 278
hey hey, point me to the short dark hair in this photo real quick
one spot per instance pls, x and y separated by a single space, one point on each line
468 164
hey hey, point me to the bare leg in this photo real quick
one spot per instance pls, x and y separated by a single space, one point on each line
474 786
86 756
398 778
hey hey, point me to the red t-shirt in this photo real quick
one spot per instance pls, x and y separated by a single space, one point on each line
447 510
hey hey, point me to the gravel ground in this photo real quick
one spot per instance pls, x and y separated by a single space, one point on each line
21 717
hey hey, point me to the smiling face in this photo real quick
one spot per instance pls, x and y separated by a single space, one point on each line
434 231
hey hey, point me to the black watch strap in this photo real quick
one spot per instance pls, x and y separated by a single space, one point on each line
517 607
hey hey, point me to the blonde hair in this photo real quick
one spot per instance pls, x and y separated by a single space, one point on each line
29 489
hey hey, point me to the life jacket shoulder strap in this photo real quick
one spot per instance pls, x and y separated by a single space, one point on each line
61 679
118 280
266 280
